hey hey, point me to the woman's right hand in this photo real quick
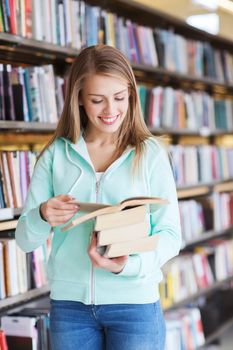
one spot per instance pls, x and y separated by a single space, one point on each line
58 210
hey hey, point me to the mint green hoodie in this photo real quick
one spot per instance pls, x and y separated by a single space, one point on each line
66 168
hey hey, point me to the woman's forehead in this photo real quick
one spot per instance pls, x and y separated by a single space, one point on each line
100 84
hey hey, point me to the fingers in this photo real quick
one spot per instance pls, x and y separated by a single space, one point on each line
64 197
113 265
59 220
58 210
63 201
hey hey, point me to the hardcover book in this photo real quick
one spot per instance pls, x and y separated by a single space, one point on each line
141 245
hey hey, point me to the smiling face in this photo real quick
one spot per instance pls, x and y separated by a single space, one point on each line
105 100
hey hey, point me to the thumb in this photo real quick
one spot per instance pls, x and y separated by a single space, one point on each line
65 197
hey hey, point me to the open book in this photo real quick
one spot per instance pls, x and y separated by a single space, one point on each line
93 210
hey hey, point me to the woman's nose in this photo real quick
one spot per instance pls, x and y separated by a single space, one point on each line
109 108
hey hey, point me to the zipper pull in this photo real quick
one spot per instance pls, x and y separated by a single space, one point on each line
97 186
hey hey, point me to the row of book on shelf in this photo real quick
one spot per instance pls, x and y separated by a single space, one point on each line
189 327
212 213
30 94
191 165
16 169
77 24
37 94
19 271
201 163
173 108
196 270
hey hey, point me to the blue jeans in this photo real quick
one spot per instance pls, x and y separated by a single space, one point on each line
76 326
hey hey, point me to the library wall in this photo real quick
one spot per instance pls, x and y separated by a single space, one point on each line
187 98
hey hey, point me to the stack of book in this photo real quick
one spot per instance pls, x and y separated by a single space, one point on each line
122 229
124 233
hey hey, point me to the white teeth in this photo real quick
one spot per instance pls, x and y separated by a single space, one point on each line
109 120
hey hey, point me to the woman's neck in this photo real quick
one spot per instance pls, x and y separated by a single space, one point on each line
100 139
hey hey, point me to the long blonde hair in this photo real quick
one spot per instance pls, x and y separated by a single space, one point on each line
106 60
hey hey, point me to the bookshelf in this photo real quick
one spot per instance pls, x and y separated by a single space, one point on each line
23 298
18 50
200 293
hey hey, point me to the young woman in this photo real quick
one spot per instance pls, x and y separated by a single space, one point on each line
101 151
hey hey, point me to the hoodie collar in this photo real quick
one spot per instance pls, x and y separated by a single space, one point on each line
81 148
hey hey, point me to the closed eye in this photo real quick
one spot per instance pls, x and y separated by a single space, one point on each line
96 101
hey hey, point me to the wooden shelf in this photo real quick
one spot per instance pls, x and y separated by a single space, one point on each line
201 292
21 126
205 236
222 187
24 297
194 191
15 48
8 225
161 75
204 188
203 132
25 127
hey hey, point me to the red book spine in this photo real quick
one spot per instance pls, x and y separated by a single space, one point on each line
13 25
3 344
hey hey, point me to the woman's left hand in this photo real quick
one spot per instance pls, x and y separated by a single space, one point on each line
114 265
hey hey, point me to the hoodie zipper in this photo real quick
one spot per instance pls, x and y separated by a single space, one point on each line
97 187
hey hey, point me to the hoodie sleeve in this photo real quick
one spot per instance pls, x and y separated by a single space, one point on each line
32 231
165 221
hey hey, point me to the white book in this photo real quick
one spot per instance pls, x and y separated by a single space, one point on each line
37 30
75 25
168 107
141 245
22 326
22 270
51 106
12 267
152 48
6 213
122 234
53 22
46 20
2 274
61 24
67 22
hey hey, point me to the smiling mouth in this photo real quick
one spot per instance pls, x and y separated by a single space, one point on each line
109 120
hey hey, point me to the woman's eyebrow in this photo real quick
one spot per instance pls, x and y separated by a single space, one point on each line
119 92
